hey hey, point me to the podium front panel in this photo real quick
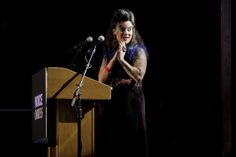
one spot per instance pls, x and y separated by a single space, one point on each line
39 108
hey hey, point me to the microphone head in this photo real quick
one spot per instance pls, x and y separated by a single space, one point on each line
89 39
101 38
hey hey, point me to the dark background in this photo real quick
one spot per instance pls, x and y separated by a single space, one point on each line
182 83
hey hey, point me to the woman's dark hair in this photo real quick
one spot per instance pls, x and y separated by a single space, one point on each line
121 15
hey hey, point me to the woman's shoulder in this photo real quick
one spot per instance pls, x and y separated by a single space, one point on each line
136 48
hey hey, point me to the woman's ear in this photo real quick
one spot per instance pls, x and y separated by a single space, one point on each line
114 31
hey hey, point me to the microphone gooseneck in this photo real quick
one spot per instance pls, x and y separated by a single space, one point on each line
81 43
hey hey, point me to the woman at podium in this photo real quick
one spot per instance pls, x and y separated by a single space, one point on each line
123 124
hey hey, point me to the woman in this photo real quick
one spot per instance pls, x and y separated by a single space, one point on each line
123 67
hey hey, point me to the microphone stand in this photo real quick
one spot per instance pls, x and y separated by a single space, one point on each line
76 103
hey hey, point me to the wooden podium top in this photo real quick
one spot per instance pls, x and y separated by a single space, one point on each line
61 83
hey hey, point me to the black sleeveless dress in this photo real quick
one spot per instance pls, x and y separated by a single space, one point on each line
123 124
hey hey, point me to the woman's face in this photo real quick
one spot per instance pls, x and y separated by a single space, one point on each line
123 31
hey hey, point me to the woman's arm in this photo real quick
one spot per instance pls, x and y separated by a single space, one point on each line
137 71
105 68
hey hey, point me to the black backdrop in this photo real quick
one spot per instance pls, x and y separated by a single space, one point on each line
182 84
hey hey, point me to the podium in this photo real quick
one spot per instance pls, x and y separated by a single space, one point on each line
54 120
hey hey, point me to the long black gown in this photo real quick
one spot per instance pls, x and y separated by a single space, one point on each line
122 128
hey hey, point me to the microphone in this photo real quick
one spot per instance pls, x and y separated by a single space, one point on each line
101 38
81 43
78 48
